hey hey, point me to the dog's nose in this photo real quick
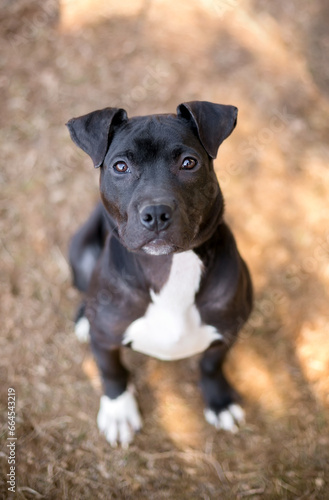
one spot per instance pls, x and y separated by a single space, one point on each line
156 217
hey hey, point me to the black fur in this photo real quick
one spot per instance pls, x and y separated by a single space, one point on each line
110 255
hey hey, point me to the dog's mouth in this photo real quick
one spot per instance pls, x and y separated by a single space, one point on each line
154 245
159 246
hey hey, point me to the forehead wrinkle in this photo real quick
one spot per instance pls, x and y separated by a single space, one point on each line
151 141
156 137
148 148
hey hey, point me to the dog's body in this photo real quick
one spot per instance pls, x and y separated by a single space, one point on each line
158 264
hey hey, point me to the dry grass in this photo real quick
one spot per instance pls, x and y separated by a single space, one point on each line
268 58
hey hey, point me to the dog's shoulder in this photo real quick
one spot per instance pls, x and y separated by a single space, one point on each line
220 256
225 296
224 269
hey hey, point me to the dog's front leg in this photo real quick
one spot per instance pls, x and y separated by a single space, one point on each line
118 417
222 410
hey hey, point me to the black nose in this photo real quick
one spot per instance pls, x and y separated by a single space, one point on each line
156 217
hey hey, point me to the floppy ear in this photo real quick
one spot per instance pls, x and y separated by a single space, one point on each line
213 122
92 132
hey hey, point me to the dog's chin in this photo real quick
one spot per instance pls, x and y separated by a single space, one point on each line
159 247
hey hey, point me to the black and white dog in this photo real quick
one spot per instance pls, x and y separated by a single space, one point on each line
158 265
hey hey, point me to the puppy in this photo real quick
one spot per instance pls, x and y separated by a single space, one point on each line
157 263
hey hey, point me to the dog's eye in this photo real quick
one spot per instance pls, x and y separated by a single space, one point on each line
121 167
188 163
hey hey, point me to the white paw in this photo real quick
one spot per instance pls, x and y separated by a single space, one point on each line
118 419
81 329
226 420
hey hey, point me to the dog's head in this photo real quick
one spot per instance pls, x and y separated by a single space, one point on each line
157 180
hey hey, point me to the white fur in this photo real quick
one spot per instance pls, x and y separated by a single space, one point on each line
157 250
118 419
87 262
226 419
171 327
81 329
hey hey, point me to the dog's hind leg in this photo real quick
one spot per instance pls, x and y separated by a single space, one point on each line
84 251
86 247
82 326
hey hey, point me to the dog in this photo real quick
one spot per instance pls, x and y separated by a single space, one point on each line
157 263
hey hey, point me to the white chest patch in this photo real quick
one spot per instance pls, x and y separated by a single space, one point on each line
171 327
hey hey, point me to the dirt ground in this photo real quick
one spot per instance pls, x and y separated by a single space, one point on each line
270 59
